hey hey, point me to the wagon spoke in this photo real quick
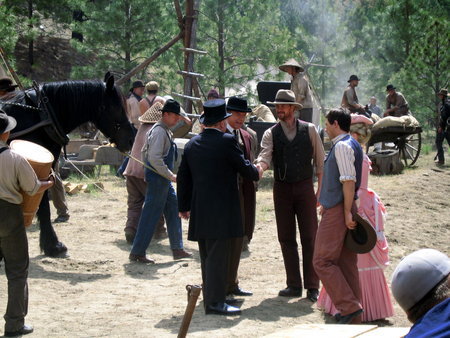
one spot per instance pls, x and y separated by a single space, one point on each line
411 156
410 146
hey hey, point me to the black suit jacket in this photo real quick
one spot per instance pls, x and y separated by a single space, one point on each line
207 185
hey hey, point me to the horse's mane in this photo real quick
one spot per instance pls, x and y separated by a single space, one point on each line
75 95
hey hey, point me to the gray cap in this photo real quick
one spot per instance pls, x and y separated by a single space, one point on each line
417 274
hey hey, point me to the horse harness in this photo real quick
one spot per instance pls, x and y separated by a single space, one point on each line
49 121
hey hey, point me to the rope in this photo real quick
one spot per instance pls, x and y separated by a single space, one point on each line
95 184
140 162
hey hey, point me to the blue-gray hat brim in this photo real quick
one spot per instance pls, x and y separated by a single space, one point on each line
210 121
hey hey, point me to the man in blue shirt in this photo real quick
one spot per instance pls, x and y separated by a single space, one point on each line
421 286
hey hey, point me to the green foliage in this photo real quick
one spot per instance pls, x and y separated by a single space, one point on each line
118 35
244 40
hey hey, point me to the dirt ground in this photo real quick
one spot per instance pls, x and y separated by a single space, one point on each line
97 292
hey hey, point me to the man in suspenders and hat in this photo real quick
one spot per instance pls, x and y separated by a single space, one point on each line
160 198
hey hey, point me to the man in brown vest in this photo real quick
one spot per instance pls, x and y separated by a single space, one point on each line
296 150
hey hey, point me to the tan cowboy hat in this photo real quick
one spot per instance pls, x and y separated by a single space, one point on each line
291 63
362 238
153 114
285 96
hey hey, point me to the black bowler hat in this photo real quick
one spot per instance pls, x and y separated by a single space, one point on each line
390 87
7 123
6 84
213 111
237 104
171 106
353 78
137 84
362 238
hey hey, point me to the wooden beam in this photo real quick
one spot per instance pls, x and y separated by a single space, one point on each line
182 72
192 98
191 50
144 64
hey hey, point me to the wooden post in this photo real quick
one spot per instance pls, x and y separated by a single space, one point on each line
144 64
193 291
190 42
10 69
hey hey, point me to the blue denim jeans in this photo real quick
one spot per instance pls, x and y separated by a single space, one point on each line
160 198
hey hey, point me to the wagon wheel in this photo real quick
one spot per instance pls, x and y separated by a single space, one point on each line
409 148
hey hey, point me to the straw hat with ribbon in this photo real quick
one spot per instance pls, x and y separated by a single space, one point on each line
153 114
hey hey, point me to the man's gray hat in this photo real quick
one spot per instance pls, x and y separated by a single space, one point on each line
285 96
417 274
7 123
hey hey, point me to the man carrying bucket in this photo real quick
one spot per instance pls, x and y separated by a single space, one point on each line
16 175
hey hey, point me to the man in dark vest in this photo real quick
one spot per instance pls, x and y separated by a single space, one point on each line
207 186
238 109
296 150
334 263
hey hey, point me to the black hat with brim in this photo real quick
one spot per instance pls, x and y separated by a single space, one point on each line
353 78
390 87
362 238
214 111
171 106
7 84
238 104
7 123
137 84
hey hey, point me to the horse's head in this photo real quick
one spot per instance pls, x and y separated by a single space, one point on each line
113 121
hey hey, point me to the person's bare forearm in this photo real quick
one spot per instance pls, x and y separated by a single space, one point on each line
348 188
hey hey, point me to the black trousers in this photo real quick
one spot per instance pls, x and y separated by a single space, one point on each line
439 141
214 257
14 250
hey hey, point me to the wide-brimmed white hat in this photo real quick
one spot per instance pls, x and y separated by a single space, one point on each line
285 96
291 63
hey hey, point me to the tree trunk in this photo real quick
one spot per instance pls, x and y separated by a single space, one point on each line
30 42
127 62
220 46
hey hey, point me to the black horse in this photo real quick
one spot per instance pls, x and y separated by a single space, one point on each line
47 114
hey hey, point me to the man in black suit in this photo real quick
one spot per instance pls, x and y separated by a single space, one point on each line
207 187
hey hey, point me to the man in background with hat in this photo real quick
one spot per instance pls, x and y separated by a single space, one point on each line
239 109
300 87
396 104
7 88
443 130
17 176
421 286
350 99
207 186
160 154
333 261
152 88
133 111
296 150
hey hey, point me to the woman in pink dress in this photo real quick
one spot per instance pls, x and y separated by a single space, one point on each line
375 295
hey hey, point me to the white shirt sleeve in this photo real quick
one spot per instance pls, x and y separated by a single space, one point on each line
345 159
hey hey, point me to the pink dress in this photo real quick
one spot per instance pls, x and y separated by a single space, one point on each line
375 295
